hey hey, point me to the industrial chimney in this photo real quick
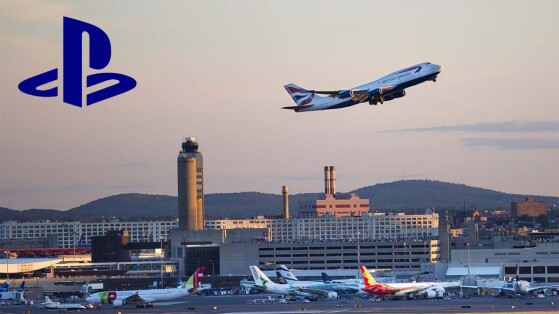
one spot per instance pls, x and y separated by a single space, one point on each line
332 180
327 180
285 192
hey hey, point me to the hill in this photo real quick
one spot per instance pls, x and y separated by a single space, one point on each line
408 195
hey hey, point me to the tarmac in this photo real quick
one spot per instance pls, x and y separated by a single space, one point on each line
241 304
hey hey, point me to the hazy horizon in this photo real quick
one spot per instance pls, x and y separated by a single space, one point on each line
215 70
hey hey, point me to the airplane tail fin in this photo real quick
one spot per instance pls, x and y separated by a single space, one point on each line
281 279
47 299
326 278
21 287
367 277
260 279
5 286
517 273
285 273
302 97
198 276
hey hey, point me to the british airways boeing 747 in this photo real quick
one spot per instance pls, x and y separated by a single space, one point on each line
387 88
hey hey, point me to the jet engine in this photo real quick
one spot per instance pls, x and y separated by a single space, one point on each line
436 292
332 295
440 292
118 303
395 95
429 294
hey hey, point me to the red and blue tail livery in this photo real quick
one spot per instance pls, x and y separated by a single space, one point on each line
386 88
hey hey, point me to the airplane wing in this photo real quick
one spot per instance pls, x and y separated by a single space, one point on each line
357 94
353 94
405 292
319 292
136 298
535 288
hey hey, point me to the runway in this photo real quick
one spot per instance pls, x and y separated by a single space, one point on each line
239 305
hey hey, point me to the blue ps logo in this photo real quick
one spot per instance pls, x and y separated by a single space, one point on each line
100 56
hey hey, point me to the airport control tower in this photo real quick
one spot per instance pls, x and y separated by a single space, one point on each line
190 171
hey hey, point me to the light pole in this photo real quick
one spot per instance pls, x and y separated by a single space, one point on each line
405 263
358 255
468 244
161 262
213 269
7 271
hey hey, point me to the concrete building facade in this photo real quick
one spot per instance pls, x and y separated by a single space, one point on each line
367 226
338 205
529 208
540 263
70 234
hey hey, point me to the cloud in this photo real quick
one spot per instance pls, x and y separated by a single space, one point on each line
512 143
491 127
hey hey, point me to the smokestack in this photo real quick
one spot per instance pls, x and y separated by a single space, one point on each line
327 180
333 180
285 192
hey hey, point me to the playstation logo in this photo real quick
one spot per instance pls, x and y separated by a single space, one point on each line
72 83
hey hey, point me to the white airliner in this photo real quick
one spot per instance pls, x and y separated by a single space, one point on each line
49 304
516 286
427 290
264 284
146 298
386 88
347 287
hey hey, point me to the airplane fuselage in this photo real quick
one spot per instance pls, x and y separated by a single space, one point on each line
373 92
153 295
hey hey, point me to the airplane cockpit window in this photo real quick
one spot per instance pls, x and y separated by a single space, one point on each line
428 63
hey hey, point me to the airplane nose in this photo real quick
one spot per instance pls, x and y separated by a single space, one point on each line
441 68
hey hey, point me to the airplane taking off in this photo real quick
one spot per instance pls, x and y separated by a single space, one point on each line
146 298
386 88
427 290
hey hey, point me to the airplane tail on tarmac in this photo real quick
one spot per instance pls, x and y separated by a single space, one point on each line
21 287
260 279
367 277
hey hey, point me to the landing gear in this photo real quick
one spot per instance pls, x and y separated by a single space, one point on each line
143 305
372 102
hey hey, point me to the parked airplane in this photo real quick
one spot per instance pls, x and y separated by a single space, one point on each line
386 88
516 286
263 283
146 298
340 289
49 304
15 294
427 290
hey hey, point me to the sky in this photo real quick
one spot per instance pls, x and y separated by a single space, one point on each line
216 69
